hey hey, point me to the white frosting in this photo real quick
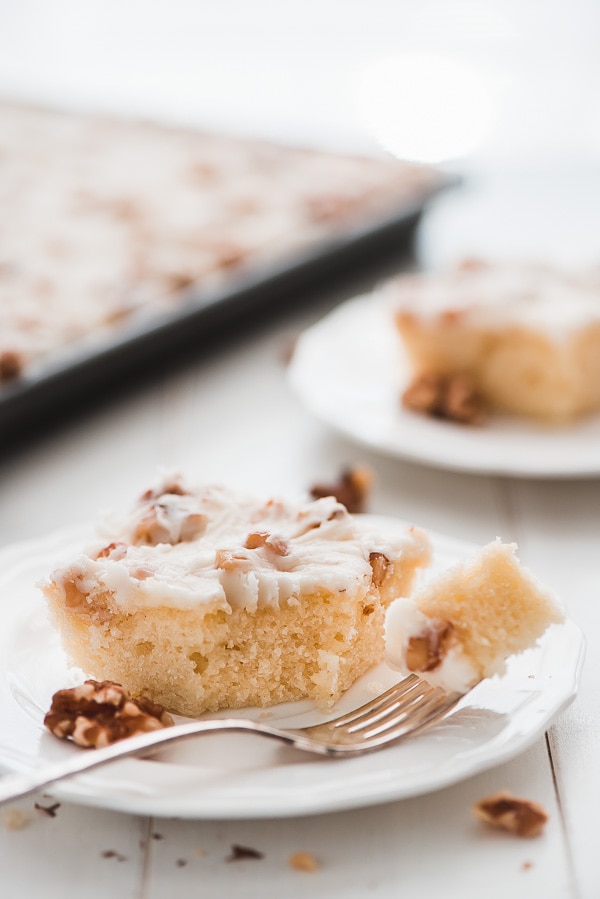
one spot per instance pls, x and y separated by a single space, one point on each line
502 296
301 549
455 673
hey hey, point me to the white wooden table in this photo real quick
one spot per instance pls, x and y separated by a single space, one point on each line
229 416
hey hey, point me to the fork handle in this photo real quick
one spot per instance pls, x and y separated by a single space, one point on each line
13 786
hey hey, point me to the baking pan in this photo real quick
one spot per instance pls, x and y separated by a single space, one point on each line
97 365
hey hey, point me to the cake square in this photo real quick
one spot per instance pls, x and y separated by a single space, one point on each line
204 598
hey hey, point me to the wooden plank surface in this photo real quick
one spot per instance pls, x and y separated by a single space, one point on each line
232 419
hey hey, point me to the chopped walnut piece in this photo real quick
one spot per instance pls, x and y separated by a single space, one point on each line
49 810
352 490
192 526
256 539
426 651
203 172
113 551
330 207
229 254
11 365
262 538
523 817
303 861
380 564
98 713
230 561
472 264
125 209
112 853
173 488
159 524
451 397
178 281
239 853
278 545
153 527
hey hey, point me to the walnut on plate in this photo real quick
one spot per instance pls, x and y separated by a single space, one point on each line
448 396
98 713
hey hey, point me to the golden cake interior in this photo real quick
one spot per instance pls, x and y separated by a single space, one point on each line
495 607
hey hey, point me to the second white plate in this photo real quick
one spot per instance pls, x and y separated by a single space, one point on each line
349 370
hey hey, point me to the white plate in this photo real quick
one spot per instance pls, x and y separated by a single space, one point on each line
240 776
349 370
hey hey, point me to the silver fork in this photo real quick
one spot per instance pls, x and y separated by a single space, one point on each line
406 708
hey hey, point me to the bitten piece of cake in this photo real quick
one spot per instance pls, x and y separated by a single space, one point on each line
464 624
204 598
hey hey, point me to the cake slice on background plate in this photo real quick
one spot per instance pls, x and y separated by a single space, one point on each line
522 339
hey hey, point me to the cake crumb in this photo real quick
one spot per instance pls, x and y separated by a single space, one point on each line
526 866
15 819
522 817
303 861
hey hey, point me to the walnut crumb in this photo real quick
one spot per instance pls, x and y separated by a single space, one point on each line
11 365
239 853
426 651
257 539
523 817
112 853
379 565
450 397
303 861
15 819
97 714
351 490
49 810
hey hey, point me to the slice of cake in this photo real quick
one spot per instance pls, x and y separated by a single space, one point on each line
522 339
204 599
465 624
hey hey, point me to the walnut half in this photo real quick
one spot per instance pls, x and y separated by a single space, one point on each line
519 816
426 651
448 396
98 713
351 490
